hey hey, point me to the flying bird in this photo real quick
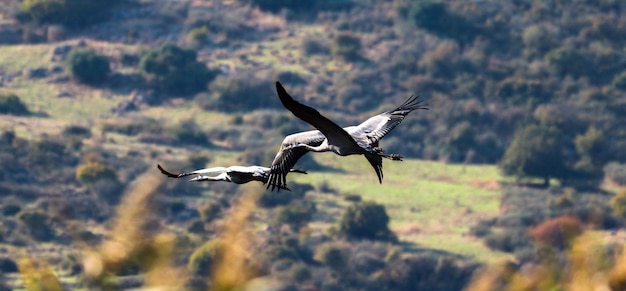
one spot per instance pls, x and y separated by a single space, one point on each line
361 139
234 174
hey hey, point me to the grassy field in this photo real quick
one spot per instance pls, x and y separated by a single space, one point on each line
430 204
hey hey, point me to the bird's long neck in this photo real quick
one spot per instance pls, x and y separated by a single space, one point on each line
209 178
320 148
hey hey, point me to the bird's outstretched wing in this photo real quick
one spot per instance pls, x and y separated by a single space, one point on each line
215 170
376 127
333 132
288 156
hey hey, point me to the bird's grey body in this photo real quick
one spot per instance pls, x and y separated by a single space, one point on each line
361 139
233 174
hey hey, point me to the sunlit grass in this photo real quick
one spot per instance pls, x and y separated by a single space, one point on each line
16 58
430 204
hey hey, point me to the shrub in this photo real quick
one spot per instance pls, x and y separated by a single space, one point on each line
69 12
558 232
333 255
242 92
619 81
52 152
198 36
277 5
8 266
616 172
272 199
92 172
434 17
430 272
314 46
175 70
618 203
507 240
197 161
209 211
352 197
11 104
76 130
144 125
107 189
567 60
10 209
296 214
188 132
346 45
300 273
202 259
87 66
37 224
366 220
196 226
129 60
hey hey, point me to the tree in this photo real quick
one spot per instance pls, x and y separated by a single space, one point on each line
88 67
175 70
536 151
366 220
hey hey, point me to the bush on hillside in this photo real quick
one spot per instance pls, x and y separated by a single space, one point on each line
296 214
435 17
87 66
568 61
366 220
277 5
11 104
241 92
346 45
74 13
209 211
76 131
203 258
333 255
175 70
92 172
37 224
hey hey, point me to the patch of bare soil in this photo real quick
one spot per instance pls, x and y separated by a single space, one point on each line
485 184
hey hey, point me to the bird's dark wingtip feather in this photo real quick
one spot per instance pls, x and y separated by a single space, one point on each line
166 173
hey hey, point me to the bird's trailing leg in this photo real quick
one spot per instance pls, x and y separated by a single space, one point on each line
394 157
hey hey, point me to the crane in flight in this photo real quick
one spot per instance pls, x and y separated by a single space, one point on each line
234 174
361 139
